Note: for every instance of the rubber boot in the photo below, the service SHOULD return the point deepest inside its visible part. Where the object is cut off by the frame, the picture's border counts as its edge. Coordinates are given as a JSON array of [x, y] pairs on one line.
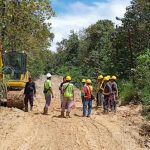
[[26, 108], [31, 107], [45, 111], [62, 114], [68, 115]]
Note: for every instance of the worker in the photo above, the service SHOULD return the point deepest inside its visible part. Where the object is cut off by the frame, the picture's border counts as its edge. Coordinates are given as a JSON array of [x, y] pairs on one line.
[[114, 94], [68, 99], [88, 90], [99, 90], [29, 92], [48, 92], [61, 90], [106, 92], [82, 91]]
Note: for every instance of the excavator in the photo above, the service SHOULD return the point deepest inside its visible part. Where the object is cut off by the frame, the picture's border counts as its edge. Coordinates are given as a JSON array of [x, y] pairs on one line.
[[13, 77]]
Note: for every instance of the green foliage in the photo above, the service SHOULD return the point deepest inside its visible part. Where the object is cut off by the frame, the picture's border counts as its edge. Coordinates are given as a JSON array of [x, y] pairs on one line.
[[146, 111], [127, 91], [73, 71], [138, 89], [145, 130], [24, 27], [132, 38], [35, 66], [103, 49], [142, 76], [89, 51]]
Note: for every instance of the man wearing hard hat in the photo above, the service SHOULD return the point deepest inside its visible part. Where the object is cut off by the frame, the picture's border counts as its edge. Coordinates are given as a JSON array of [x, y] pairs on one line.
[[68, 100], [48, 92], [99, 90]]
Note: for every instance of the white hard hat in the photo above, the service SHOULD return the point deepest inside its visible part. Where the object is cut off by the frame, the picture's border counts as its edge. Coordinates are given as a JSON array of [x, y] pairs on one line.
[[48, 75]]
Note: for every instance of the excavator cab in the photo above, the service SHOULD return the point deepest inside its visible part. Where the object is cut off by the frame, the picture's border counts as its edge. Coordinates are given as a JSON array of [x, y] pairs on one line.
[[15, 72]]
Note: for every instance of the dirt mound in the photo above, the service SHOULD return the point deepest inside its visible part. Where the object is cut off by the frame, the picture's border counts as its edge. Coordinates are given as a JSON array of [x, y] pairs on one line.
[[15, 99], [32, 130]]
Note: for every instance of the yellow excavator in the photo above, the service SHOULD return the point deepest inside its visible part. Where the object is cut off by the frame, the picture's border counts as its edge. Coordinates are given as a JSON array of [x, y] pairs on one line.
[[14, 75], [15, 69]]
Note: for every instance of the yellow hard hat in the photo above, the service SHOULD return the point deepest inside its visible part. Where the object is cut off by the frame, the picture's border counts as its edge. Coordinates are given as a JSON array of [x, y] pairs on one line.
[[106, 78], [83, 80], [68, 78], [88, 81], [100, 77], [114, 78]]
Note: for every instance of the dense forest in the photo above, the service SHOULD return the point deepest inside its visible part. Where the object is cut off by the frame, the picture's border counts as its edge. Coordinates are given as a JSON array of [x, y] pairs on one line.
[[102, 48]]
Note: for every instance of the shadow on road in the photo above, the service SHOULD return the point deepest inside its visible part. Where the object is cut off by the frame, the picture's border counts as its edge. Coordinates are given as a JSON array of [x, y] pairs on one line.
[[59, 116]]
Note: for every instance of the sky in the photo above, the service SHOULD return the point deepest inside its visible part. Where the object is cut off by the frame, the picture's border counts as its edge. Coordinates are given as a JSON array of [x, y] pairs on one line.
[[79, 14]]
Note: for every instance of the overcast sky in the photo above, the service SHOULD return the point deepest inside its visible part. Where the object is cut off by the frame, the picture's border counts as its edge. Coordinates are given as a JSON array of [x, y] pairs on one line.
[[78, 14]]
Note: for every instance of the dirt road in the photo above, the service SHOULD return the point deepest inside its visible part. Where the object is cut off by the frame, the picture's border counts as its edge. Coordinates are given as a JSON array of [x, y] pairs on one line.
[[34, 131]]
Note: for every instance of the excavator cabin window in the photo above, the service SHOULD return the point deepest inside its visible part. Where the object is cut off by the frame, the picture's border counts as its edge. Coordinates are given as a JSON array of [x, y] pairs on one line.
[[14, 64]]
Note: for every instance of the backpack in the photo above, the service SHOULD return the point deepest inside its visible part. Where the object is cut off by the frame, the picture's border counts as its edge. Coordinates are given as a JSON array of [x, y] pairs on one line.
[[45, 90], [107, 89]]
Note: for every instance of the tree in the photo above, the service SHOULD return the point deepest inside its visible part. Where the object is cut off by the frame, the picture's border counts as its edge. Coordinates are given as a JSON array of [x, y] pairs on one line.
[[132, 37], [24, 27]]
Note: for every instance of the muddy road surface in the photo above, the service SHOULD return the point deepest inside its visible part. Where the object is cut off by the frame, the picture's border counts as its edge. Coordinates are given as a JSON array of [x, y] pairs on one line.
[[21, 130]]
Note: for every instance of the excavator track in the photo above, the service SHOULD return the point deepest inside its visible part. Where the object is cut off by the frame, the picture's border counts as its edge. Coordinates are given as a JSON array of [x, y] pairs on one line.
[[15, 99]]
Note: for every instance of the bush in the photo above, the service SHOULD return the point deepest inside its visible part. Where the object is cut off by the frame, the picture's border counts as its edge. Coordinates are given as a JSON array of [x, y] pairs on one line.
[[73, 71], [146, 112], [127, 92], [145, 130], [142, 75]]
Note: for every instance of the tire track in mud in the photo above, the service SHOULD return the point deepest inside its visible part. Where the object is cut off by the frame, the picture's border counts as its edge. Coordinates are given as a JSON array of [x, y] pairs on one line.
[[117, 134], [98, 132]]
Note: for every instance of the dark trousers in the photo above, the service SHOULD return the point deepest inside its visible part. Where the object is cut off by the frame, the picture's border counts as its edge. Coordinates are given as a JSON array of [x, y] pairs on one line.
[[112, 102], [87, 103], [99, 99], [47, 103], [82, 97], [28, 98], [106, 103]]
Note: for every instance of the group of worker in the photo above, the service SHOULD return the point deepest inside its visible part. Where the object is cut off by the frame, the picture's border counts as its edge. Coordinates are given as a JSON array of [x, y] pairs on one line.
[[106, 94]]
